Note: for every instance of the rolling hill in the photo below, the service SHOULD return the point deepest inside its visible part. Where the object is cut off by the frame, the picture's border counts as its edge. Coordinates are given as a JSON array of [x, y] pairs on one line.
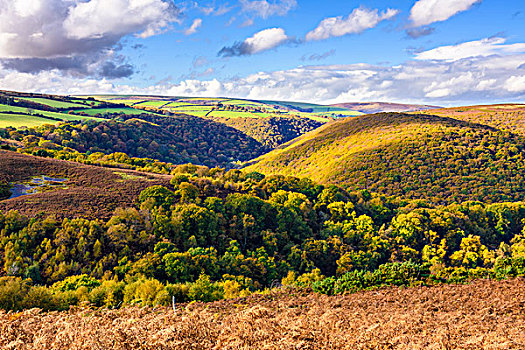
[[178, 140], [508, 117], [415, 156], [20, 109]]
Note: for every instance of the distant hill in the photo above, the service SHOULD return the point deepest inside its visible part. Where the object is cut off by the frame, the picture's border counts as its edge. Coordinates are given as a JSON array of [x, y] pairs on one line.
[[416, 156], [378, 107], [22, 109], [272, 123], [509, 117], [178, 139]]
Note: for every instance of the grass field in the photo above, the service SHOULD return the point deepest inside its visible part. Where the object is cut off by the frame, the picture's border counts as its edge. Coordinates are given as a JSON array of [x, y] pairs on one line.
[[234, 114], [54, 103], [96, 111], [156, 104], [20, 120], [201, 106]]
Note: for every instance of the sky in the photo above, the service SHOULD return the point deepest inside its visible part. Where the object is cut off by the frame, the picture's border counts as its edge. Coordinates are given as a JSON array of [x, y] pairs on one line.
[[438, 52]]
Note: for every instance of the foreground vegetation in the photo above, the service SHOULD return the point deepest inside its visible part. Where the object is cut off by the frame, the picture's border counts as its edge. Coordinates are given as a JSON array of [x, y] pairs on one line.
[[482, 315]]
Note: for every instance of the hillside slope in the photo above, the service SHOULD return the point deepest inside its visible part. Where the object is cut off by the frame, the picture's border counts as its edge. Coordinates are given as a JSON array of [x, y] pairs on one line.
[[89, 192], [508, 117], [178, 140], [440, 159]]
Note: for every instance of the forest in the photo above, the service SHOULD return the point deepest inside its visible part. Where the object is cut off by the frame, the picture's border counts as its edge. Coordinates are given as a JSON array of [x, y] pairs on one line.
[[413, 156], [176, 140], [214, 234]]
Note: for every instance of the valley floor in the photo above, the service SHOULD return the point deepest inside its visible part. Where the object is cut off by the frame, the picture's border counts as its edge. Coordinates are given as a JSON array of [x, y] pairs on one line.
[[481, 315]]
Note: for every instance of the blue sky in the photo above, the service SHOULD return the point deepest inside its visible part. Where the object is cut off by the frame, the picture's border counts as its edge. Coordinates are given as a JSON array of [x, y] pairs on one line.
[[444, 52]]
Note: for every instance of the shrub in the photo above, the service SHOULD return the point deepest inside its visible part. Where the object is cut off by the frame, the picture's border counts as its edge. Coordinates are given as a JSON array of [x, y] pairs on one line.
[[75, 282], [204, 290]]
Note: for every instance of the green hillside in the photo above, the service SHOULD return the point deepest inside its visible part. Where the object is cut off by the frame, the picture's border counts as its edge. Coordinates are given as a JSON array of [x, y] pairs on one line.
[[269, 122], [20, 109], [442, 160], [177, 140]]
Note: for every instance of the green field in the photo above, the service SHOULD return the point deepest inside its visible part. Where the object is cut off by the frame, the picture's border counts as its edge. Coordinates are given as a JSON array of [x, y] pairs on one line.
[[53, 103], [32, 118], [28, 111], [235, 114], [95, 111], [156, 104], [21, 120], [305, 106], [202, 106]]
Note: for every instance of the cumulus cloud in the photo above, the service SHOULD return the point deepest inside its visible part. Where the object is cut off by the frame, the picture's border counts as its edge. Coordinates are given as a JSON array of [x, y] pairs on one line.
[[265, 9], [484, 47], [261, 41], [74, 35], [515, 84], [466, 79], [469, 80], [194, 26], [358, 21], [425, 12]]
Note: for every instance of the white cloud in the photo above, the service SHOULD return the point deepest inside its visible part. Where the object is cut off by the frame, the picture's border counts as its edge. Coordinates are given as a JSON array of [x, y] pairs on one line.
[[47, 33], [194, 26], [471, 80], [484, 47], [425, 12], [99, 18], [266, 39], [358, 21], [515, 84], [261, 41], [265, 9]]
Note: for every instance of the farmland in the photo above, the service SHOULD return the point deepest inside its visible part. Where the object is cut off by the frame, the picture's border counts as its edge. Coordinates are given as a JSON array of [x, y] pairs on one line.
[[31, 110], [483, 315], [232, 108]]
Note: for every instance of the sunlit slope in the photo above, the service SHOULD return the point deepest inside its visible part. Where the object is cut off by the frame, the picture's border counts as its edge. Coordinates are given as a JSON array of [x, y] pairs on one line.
[[510, 117], [436, 158]]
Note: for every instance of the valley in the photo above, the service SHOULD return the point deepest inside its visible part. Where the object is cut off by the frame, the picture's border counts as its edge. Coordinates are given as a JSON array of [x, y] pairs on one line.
[[155, 207]]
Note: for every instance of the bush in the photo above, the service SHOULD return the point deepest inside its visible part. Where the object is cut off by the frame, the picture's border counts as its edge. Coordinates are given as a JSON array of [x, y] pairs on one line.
[[42, 298], [12, 293], [75, 282], [178, 290], [143, 292], [392, 274], [204, 290], [109, 294]]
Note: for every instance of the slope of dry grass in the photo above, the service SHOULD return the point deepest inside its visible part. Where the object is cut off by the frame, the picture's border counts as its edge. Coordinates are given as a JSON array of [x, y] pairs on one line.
[[482, 315], [92, 191]]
